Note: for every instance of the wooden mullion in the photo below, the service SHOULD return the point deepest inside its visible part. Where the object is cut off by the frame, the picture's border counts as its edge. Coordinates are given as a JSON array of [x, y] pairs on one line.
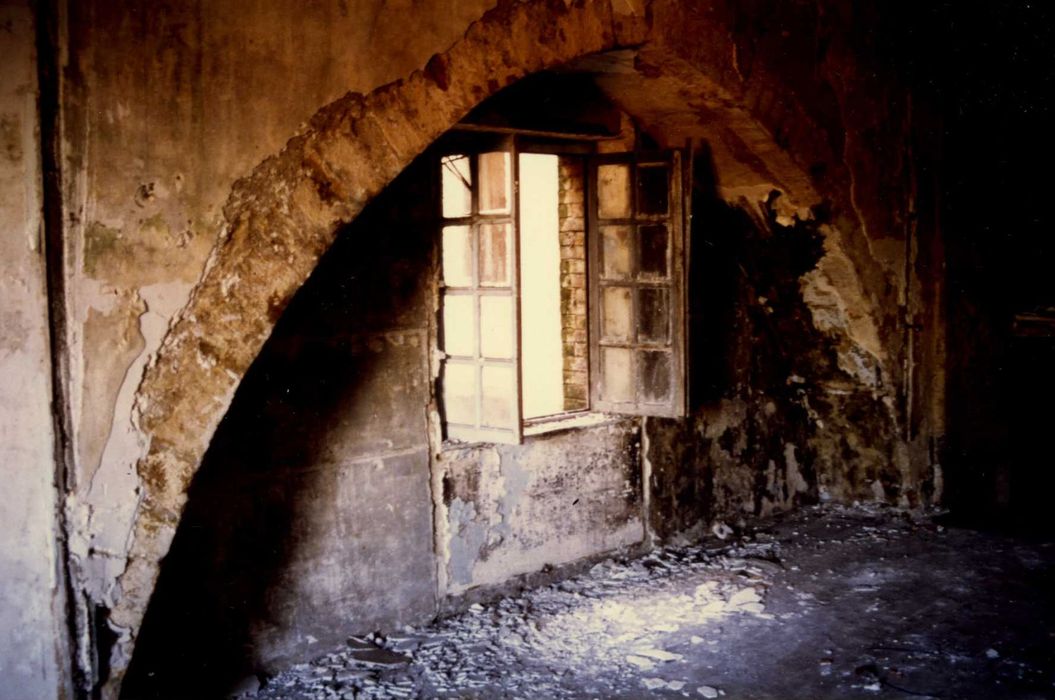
[[514, 283], [593, 286], [678, 268], [635, 273], [474, 208]]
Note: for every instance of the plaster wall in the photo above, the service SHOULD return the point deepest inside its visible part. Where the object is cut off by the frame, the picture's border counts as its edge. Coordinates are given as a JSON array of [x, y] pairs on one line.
[[509, 510], [33, 646], [165, 109]]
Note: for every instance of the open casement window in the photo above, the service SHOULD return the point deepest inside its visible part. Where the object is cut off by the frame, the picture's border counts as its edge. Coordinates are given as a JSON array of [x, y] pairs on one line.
[[637, 282], [480, 383], [536, 305]]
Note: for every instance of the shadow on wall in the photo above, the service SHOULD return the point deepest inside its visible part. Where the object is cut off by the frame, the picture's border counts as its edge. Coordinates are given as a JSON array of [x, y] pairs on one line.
[[289, 529]]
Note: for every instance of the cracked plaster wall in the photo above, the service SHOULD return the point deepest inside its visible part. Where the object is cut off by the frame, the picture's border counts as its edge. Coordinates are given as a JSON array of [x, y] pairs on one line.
[[509, 510], [311, 517], [34, 644], [165, 109]]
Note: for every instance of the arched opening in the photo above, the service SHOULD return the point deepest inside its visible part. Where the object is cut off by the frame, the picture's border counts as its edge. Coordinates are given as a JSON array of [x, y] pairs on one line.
[[312, 504], [327, 504], [284, 217]]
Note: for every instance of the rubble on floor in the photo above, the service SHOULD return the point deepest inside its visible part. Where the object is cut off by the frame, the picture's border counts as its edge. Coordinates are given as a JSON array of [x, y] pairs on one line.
[[827, 602]]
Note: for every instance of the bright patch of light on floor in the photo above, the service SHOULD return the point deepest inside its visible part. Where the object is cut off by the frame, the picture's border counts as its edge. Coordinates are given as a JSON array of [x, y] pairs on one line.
[[615, 632]]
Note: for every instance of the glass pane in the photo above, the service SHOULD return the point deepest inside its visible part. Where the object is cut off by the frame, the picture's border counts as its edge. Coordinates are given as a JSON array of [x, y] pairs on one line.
[[496, 326], [618, 384], [458, 332], [653, 314], [457, 186], [495, 178], [459, 393], [498, 396], [495, 258], [613, 191], [653, 251], [457, 257], [652, 184], [615, 251], [617, 314], [654, 369]]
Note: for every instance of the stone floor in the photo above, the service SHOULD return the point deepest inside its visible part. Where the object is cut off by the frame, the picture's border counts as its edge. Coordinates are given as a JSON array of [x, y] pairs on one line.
[[828, 602]]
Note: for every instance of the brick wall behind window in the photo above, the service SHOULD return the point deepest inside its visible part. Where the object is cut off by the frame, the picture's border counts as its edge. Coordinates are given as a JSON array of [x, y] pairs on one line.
[[573, 283]]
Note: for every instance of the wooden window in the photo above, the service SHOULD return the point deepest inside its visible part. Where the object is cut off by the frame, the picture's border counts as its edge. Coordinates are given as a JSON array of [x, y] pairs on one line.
[[621, 298], [637, 282], [479, 310]]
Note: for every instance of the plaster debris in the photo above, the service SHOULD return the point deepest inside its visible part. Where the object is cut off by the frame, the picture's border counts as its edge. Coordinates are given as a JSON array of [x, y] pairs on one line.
[[685, 621], [619, 619], [721, 530], [641, 662], [660, 655]]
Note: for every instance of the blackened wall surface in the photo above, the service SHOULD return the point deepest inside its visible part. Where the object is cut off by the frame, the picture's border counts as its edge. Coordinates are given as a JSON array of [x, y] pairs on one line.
[[756, 363], [995, 82]]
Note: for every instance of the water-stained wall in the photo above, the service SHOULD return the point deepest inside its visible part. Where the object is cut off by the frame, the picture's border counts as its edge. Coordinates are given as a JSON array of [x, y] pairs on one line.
[[34, 654], [164, 108], [775, 420], [509, 510], [816, 329]]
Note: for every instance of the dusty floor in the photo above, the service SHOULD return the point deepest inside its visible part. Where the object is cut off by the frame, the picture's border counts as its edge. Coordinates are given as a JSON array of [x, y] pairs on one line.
[[828, 602]]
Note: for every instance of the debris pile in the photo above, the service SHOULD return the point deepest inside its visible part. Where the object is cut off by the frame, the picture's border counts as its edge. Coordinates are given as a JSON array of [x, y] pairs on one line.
[[601, 630], [829, 601]]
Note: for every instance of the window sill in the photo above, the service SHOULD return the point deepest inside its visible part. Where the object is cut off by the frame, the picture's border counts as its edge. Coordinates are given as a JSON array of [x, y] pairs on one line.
[[568, 421], [544, 426]]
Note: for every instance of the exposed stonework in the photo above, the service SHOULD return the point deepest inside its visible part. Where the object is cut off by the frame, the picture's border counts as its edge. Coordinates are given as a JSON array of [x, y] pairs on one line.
[[282, 218], [711, 72], [573, 283]]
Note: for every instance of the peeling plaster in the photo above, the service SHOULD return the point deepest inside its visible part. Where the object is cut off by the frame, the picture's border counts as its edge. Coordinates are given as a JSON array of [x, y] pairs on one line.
[[107, 511], [514, 510], [840, 307], [279, 220], [465, 544]]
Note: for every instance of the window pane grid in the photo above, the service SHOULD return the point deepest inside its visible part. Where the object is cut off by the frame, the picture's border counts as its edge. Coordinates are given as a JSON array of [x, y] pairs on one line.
[[480, 370], [634, 283]]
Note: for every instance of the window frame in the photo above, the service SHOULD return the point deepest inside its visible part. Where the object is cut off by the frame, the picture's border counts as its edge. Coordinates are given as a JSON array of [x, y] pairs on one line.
[[479, 431], [676, 222], [597, 410]]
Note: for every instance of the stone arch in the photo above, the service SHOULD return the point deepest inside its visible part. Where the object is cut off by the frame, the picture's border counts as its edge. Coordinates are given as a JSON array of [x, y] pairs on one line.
[[282, 217]]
